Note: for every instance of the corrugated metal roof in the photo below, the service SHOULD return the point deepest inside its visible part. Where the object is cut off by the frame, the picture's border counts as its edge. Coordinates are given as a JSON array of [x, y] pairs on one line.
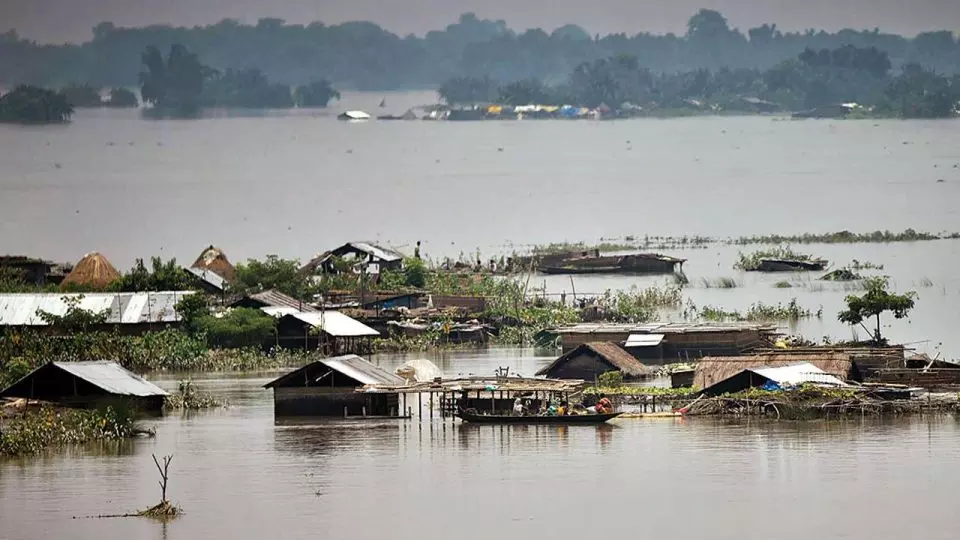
[[333, 323], [662, 328], [798, 374], [350, 365], [209, 276], [124, 308], [357, 368], [273, 297], [384, 254], [112, 377], [644, 340]]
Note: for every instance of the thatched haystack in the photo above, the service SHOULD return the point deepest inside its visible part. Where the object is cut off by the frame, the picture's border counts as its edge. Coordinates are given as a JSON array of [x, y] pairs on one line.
[[216, 261], [713, 369], [93, 271]]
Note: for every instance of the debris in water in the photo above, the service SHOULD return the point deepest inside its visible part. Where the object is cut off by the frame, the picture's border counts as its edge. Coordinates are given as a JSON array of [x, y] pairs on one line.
[[57, 166], [350, 151], [940, 180]]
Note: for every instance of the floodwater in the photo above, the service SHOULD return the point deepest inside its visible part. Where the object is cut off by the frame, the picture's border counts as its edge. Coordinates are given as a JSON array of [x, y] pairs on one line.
[[294, 183], [239, 474]]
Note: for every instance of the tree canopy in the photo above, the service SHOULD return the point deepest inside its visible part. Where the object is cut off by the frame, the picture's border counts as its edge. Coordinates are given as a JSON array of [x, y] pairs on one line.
[[874, 302], [32, 105], [364, 56]]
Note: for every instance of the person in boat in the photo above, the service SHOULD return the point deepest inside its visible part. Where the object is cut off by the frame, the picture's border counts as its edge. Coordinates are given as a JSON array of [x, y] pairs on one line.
[[518, 408], [563, 409], [603, 405]]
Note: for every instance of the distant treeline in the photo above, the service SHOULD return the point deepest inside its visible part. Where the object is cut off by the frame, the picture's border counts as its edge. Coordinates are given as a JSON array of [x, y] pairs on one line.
[[362, 55], [814, 80]]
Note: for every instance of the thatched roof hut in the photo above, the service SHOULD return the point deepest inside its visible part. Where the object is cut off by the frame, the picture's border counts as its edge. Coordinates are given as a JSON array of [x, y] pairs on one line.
[[216, 261], [93, 270], [590, 360], [713, 369]]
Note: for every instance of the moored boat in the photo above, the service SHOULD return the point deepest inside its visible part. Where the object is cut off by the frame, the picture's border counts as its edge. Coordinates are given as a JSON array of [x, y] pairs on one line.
[[477, 418]]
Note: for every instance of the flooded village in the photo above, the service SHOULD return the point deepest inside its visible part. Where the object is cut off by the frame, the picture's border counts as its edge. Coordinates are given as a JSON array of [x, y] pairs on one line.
[[74, 341]]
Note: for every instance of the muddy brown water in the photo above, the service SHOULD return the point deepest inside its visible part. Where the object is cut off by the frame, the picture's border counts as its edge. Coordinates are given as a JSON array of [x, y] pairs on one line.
[[239, 474]]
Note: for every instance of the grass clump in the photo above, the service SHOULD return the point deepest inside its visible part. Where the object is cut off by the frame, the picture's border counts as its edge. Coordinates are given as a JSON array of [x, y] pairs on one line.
[[188, 398], [783, 285], [719, 283], [760, 312], [845, 237]]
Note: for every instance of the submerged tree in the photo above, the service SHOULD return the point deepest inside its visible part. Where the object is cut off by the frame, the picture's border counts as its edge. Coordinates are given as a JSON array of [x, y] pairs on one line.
[[316, 94], [245, 88], [875, 301], [175, 83], [82, 95], [33, 105], [162, 276], [122, 98]]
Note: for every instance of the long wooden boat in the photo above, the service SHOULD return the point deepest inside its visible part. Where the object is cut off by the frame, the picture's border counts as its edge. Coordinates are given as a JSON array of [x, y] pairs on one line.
[[565, 420]]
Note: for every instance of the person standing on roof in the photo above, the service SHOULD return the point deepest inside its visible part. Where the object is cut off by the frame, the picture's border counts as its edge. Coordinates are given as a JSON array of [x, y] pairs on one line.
[[416, 251]]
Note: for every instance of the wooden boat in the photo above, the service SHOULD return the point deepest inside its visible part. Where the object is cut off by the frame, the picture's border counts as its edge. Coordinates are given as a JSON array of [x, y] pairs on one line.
[[572, 419]]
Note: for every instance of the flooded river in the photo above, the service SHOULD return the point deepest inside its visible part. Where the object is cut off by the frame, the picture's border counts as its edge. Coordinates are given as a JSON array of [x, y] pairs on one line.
[[238, 474]]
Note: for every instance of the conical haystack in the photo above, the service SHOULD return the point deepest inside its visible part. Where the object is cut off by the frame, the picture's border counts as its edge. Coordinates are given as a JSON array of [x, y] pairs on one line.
[[216, 261], [93, 270]]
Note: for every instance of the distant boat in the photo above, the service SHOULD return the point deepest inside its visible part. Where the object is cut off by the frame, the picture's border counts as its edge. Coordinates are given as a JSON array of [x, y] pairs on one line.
[[353, 115], [383, 103]]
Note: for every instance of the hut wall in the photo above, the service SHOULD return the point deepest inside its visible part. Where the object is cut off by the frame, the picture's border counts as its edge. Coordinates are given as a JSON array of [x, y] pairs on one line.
[[681, 379], [474, 304], [326, 401], [571, 341], [915, 377]]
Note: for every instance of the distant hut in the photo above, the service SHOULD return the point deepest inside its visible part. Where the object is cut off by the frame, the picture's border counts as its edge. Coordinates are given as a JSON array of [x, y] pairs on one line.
[[87, 385], [93, 271], [215, 260], [590, 360]]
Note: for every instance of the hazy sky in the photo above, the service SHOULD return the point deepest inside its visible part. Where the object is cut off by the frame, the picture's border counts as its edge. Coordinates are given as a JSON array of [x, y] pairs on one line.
[[71, 20]]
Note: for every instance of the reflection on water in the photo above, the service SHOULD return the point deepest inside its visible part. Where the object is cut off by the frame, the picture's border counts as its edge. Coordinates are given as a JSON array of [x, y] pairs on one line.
[[240, 474]]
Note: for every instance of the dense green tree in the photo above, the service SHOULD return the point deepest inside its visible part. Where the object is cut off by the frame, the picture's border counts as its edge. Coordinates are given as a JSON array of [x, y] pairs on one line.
[[175, 83], [82, 95], [238, 327], [468, 90], [317, 94], [75, 318], [161, 276], [921, 93], [245, 88], [33, 105], [273, 273], [122, 98], [873, 303], [526, 92]]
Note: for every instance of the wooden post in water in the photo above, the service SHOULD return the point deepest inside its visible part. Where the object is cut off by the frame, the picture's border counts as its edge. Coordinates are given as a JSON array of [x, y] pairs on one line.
[[431, 406], [420, 404]]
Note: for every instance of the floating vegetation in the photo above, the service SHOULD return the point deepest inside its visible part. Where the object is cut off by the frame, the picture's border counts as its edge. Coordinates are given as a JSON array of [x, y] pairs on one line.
[[760, 312], [865, 265], [841, 274], [187, 397], [844, 237], [35, 431], [637, 305], [719, 283], [782, 285], [753, 260]]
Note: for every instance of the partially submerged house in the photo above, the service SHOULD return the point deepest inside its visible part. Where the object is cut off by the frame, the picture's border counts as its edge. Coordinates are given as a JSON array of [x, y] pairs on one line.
[[93, 271], [330, 332], [660, 343], [355, 256], [637, 263], [774, 378], [791, 265], [329, 387], [88, 385], [590, 360], [712, 370], [129, 313]]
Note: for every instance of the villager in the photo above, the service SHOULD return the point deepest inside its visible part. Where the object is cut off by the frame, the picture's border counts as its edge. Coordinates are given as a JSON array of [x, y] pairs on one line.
[[518, 407], [416, 251], [562, 409], [603, 405]]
